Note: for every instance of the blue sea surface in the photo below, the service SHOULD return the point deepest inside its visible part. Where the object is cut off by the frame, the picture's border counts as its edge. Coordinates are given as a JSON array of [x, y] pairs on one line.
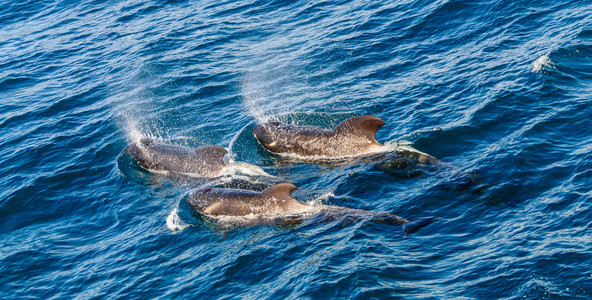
[[501, 91]]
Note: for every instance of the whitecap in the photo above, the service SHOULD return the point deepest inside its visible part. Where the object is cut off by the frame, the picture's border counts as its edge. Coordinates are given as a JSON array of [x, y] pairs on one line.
[[540, 63], [236, 169]]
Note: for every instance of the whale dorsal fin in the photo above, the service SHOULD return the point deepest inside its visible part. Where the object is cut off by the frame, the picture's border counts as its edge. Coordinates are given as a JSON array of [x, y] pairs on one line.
[[361, 125], [212, 152], [280, 191]]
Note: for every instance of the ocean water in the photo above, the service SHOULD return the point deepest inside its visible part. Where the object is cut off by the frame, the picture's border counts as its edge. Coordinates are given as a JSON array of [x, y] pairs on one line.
[[501, 91]]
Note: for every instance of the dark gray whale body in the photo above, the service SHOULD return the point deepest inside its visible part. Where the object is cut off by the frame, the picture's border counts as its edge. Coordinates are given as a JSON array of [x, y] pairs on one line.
[[230, 202], [277, 202], [205, 161], [352, 137]]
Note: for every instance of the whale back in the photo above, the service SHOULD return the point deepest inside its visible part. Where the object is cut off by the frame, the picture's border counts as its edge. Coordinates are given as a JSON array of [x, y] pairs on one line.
[[230, 202], [360, 126], [351, 137], [205, 161], [224, 202], [292, 139], [212, 153]]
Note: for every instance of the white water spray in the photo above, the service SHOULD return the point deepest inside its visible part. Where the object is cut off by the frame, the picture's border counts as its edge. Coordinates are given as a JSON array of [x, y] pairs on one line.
[[541, 63], [174, 222]]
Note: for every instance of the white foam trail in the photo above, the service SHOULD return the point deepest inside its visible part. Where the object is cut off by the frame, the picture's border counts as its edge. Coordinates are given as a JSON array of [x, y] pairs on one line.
[[321, 199], [417, 134], [393, 145], [174, 222], [540, 63], [242, 168], [237, 170], [411, 149]]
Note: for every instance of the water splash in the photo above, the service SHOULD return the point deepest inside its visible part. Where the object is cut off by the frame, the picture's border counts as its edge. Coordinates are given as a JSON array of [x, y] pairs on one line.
[[132, 131], [242, 168], [540, 63], [319, 200], [174, 223]]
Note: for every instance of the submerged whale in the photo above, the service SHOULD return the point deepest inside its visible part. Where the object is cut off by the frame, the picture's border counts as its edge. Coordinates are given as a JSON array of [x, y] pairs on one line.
[[205, 161], [352, 137], [276, 203]]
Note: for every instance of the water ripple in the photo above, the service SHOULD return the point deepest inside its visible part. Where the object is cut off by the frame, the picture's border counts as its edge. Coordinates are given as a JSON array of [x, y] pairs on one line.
[[498, 90]]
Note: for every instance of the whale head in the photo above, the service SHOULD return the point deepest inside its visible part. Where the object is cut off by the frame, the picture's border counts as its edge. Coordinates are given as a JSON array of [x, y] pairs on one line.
[[140, 151], [266, 134]]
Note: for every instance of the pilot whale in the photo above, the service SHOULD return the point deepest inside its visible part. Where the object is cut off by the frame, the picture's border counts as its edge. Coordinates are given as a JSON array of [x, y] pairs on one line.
[[276, 202], [352, 137], [205, 161]]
